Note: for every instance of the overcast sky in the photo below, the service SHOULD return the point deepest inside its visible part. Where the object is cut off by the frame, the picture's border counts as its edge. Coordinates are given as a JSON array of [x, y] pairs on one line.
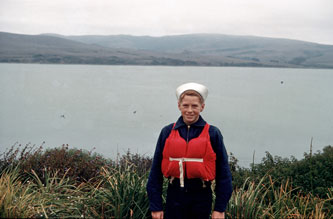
[[309, 20]]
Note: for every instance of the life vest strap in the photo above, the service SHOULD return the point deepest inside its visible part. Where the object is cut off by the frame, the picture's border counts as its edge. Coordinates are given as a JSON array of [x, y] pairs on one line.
[[181, 170]]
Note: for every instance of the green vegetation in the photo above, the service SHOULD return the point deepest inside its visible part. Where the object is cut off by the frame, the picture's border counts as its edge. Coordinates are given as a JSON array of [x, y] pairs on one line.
[[313, 174], [63, 182]]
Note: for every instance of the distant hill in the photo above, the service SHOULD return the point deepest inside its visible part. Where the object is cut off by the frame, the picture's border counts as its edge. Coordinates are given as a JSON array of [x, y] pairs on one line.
[[192, 49], [51, 49]]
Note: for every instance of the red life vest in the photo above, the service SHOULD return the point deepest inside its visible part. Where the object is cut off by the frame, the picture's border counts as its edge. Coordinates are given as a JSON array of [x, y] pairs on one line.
[[196, 157]]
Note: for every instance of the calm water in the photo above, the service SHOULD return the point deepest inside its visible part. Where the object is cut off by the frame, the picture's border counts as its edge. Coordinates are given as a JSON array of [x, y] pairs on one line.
[[113, 108]]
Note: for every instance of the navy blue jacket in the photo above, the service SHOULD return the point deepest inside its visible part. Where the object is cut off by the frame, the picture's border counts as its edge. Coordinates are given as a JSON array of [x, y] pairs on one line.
[[223, 179]]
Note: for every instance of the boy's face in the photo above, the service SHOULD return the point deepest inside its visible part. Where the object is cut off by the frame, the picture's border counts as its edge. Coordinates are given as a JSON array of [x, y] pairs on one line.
[[190, 108]]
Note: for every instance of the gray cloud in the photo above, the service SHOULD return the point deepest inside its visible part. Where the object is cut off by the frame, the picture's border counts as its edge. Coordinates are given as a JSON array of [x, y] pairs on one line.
[[310, 20]]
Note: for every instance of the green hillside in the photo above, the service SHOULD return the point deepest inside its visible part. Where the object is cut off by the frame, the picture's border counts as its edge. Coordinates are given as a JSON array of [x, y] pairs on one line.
[[192, 49]]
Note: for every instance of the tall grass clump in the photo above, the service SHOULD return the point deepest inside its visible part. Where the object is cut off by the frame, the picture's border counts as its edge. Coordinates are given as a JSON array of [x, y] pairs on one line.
[[17, 200], [120, 193], [59, 195], [56, 197], [265, 200], [286, 201], [247, 201]]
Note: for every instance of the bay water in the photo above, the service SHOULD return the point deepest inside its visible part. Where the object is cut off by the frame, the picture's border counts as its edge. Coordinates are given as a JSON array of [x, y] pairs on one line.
[[116, 108]]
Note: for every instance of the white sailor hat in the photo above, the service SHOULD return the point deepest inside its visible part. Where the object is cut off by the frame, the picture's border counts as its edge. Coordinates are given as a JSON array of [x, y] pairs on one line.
[[201, 89]]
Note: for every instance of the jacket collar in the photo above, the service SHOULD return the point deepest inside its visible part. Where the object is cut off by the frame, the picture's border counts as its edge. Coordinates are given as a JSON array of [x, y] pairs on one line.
[[180, 122]]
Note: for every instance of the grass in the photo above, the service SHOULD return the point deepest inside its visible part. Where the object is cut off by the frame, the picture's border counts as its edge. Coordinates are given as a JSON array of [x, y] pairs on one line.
[[32, 198], [268, 201], [120, 193], [16, 199], [117, 190]]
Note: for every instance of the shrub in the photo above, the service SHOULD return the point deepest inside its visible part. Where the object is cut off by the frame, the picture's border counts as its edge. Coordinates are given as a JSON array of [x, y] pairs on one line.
[[79, 165], [312, 174], [139, 163]]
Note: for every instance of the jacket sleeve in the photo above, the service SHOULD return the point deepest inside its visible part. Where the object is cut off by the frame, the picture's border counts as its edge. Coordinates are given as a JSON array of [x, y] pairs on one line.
[[155, 179], [223, 189]]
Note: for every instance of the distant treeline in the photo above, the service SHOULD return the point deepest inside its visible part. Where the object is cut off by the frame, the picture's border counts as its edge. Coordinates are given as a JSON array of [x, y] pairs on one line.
[[115, 60]]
